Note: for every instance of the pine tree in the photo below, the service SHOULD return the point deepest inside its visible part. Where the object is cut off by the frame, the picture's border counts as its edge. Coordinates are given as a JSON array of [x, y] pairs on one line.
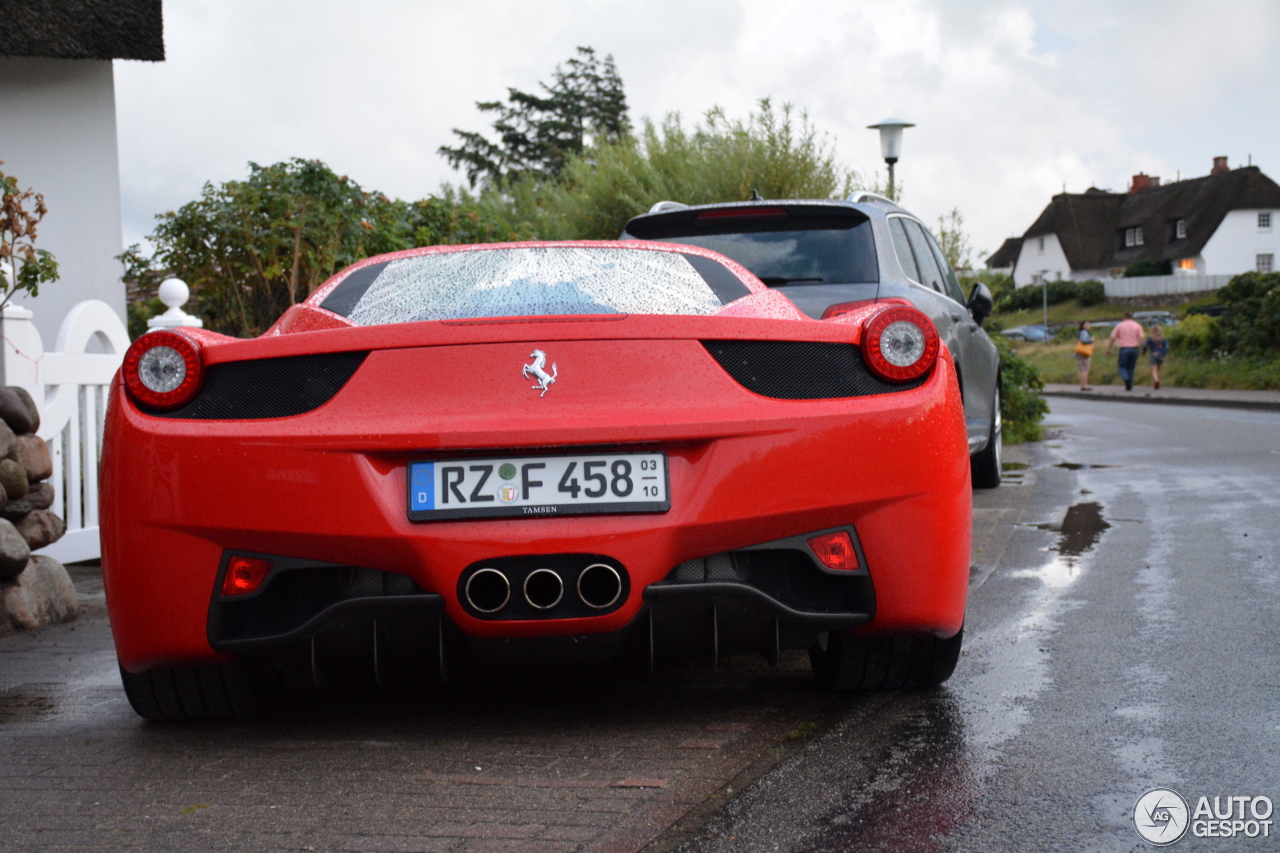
[[537, 134]]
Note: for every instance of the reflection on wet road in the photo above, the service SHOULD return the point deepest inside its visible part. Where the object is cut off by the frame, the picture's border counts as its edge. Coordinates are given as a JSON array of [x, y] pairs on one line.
[[1124, 638]]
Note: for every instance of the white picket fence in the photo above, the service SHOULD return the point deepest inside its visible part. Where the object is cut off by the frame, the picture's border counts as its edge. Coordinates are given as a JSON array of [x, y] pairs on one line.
[[1164, 285], [70, 385]]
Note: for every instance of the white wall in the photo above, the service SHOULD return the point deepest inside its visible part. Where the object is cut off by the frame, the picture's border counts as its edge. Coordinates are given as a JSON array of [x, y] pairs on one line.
[[58, 136], [1235, 246], [1050, 261]]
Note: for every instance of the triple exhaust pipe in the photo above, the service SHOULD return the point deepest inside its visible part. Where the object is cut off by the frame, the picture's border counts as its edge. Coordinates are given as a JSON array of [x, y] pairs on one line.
[[488, 590]]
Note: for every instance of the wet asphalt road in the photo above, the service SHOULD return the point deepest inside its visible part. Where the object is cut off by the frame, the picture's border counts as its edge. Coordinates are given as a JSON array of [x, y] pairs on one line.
[[1091, 672], [1121, 635]]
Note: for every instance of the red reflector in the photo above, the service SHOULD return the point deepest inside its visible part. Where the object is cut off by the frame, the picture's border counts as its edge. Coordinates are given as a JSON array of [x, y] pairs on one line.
[[244, 575], [741, 211], [835, 550]]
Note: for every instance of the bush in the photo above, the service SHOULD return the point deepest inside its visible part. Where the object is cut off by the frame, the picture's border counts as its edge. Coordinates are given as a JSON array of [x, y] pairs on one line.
[[1021, 406], [1138, 269], [1197, 334], [1090, 293], [1250, 322]]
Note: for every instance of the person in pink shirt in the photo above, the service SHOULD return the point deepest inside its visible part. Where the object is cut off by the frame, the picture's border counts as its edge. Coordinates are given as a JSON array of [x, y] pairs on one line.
[[1128, 335]]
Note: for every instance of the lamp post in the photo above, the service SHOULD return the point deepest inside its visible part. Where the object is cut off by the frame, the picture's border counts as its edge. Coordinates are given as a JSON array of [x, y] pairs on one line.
[[891, 144]]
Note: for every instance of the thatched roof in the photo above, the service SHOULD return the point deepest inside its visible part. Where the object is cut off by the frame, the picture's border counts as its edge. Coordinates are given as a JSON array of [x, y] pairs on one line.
[[82, 29], [1089, 225], [1006, 255]]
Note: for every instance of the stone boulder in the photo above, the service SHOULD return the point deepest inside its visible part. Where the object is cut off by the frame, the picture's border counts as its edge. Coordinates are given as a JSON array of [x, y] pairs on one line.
[[42, 595], [38, 496], [13, 478], [32, 453], [40, 528], [14, 410], [7, 439], [32, 410], [14, 551]]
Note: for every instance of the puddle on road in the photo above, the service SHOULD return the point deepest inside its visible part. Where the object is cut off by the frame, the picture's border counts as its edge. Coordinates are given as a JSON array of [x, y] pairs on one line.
[[925, 786], [1080, 530], [1078, 466]]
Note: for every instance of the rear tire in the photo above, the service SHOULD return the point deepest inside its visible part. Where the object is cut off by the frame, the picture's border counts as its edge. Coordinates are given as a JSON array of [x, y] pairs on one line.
[[855, 663], [207, 691], [985, 465]]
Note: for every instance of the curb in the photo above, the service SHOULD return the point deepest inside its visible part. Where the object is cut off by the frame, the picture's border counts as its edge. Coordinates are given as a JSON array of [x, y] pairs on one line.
[[1255, 405]]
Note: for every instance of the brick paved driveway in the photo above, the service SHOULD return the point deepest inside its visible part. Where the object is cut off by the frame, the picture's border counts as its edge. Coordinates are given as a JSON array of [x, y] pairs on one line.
[[593, 764]]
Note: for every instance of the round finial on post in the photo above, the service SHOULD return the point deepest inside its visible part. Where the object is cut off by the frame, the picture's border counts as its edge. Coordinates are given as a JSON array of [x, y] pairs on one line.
[[174, 293]]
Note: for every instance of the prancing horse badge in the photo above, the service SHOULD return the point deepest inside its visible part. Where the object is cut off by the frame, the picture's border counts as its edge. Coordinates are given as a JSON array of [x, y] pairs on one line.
[[538, 371]]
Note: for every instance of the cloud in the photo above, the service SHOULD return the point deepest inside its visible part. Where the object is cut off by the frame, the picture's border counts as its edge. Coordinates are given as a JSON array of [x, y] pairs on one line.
[[1012, 100]]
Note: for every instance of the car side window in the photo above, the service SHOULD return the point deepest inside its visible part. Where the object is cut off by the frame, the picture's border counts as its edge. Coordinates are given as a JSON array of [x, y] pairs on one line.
[[903, 249], [949, 280], [932, 275]]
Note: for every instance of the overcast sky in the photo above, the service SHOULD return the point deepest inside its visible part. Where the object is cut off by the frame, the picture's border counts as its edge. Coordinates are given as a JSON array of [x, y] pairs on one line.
[[1013, 100]]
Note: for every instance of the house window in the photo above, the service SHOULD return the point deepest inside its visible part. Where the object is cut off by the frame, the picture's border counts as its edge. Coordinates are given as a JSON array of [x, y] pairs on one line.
[[1180, 229], [1264, 221], [1137, 235], [1132, 237], [1041, 244], [1266, 263], [1188, 264]]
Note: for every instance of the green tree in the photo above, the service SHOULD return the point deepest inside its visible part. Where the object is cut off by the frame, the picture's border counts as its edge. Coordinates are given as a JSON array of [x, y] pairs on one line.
[[538, 134], [776, 152], [23, 267], [953, 241], [250, 249]]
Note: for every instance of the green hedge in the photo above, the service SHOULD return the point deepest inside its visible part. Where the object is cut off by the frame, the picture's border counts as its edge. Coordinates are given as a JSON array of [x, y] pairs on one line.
[[1021, 406], [1085, 293]]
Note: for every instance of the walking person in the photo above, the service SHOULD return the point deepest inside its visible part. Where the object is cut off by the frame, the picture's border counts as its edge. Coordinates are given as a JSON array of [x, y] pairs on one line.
[[1158, 345], [1128, 335], [1084, 354]]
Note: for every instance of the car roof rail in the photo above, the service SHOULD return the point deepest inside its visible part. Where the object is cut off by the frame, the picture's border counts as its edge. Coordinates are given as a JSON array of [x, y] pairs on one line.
[[864, 195], [664, 206]]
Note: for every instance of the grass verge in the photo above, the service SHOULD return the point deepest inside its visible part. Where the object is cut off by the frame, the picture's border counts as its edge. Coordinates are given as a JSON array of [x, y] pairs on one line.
[[1056, 363]]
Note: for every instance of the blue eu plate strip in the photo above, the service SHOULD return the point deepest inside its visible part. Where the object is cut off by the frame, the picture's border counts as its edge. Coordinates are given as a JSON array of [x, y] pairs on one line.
[[422, 487]]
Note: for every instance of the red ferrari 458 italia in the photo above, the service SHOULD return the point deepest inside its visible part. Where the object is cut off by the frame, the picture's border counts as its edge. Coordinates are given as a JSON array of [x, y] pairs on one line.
[[532, 454]]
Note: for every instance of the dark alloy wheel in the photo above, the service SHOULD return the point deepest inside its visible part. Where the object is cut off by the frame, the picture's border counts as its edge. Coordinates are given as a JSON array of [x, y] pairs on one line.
[[207, 691], [857, 663], [985, 465]]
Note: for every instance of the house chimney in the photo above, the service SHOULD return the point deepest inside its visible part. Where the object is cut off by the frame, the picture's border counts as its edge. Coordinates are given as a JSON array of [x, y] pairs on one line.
[[1141, 182], [1219, 166]]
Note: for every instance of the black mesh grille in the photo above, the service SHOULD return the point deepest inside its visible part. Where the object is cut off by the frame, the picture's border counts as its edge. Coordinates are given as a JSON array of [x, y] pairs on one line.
[[800, 370], [293, 597], [786, 576], [269, 387]]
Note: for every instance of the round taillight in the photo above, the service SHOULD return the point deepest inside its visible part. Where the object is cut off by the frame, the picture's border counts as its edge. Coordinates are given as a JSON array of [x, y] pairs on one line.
[[899, 344], [163, 370]]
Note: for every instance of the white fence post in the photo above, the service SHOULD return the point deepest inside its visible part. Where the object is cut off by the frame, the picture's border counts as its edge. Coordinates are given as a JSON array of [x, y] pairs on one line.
[[70, 386]]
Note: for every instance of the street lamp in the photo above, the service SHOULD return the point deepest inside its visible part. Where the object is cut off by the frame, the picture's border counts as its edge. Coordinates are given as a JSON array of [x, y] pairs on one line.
[[890, 143]]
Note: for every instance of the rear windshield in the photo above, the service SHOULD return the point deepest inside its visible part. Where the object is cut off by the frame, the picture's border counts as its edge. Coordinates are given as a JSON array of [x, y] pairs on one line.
[[533, 282], [781, 249]]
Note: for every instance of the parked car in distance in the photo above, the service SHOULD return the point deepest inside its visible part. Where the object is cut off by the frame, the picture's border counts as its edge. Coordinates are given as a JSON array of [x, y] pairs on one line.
[[534, 454], [1150, 318], [832, 256], [1034, 332]]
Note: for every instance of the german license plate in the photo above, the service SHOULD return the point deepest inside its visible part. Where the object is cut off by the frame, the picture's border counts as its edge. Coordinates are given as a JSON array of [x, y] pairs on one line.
[[529, 486]]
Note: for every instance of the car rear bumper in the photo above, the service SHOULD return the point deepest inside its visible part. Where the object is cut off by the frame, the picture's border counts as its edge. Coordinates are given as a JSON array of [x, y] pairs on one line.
[[328, 488]]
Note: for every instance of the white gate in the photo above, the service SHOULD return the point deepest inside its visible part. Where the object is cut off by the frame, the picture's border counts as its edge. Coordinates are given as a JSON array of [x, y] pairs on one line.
[[69, 385]]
